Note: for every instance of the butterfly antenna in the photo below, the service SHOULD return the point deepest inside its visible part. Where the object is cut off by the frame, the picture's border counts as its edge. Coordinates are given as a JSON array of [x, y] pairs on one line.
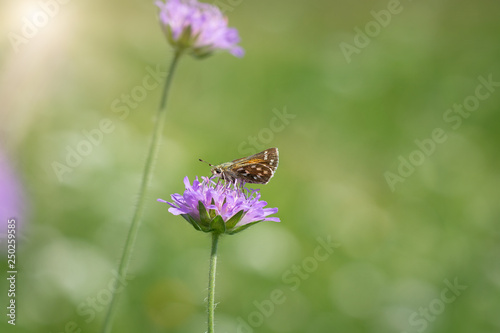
[[205, 162]]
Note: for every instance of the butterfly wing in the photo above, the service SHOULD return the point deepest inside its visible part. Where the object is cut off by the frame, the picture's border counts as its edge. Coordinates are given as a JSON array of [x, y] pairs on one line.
[[258, 168], [254, 173], [269, 157]]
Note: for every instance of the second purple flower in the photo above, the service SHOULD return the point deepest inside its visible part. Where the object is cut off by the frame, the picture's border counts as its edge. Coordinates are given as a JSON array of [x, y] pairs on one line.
[[199, 28]]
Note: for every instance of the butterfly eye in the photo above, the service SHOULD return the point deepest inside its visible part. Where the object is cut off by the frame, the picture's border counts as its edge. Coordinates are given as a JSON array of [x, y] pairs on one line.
[[217, 171]]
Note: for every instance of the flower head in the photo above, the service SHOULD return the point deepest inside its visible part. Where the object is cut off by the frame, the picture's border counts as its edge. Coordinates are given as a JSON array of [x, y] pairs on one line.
[[219, 207], [198, 27]]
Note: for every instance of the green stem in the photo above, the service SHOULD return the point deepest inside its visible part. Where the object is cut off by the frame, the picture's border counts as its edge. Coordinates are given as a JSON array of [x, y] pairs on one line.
[[139, 208], [211, 282]]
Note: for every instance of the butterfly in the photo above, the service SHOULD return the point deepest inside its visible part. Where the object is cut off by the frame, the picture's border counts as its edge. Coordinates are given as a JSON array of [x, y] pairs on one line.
[[255, 169]]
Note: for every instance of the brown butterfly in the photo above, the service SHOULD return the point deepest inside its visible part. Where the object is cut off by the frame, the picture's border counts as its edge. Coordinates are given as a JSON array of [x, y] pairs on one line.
[[255, 169]]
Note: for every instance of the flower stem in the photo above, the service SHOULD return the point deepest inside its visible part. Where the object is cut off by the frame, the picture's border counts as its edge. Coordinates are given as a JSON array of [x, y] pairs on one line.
[[139, 208], [211, 282]]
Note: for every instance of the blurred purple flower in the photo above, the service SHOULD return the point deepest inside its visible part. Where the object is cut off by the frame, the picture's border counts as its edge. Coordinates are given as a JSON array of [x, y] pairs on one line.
[[198, 27], [11, 201], [219, 207]]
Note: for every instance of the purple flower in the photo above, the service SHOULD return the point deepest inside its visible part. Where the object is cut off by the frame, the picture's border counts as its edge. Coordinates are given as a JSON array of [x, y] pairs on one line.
[[219, 207], [11, 198], [198, 27]]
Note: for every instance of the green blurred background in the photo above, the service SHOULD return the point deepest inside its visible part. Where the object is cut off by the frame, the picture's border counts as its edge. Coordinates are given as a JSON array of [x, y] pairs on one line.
[[352, 120]]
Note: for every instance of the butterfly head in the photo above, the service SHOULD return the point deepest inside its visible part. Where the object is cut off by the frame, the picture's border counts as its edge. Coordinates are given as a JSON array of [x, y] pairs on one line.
[[217, 170]]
